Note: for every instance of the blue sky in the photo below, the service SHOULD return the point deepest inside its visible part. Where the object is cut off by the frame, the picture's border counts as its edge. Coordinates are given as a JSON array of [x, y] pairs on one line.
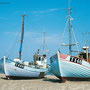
[[42, 16]]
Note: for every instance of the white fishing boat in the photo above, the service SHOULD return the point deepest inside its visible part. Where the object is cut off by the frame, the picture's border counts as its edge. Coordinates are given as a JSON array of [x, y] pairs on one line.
[[2, 64], [69, 67], [23, 69], [18, 68]]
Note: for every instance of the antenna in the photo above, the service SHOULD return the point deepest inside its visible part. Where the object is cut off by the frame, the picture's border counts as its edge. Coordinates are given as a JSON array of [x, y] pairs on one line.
[[70, 29], [69, 7], [87, 34], [69, 20], [44, 33], [87, 38]]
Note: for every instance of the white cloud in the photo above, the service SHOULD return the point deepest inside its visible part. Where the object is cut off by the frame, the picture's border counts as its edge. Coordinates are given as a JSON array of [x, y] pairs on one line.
[[46, 11], [36, 35]]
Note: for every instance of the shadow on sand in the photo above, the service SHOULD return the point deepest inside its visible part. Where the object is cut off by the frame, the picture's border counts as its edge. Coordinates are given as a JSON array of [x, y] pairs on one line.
[[34, 78], [79, 80], [60, 81], [53, 80]]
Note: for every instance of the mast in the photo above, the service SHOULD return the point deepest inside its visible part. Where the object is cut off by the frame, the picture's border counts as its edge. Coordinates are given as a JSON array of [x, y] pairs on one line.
[[22, 36], [87, 48], [44, 33], [70, 30], [87, 53], [69, 20]]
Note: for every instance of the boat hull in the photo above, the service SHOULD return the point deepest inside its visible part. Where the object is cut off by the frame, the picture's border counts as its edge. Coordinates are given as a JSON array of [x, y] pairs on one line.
[[2, 65], [66, 69], [13, 72]]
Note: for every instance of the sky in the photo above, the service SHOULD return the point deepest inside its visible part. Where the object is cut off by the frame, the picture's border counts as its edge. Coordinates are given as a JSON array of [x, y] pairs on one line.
[[42, 16]]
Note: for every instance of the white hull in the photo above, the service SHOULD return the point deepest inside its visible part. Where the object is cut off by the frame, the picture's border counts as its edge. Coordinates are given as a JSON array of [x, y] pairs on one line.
[[64, 68], [12, 71], [2, 64]]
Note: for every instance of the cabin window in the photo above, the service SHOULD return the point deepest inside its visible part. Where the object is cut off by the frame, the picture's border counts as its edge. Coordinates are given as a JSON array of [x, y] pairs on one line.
[[39, 58], [83, 55], [42, 59]]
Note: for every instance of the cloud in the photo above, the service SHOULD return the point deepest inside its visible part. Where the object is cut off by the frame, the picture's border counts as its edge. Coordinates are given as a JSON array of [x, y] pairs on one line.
[[32, 41], [46, 11], [30, 34], [11, 33], [36, 36]]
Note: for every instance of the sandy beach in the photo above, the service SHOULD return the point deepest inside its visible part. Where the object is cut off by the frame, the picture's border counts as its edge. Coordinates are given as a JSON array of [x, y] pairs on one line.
[[47, 83]]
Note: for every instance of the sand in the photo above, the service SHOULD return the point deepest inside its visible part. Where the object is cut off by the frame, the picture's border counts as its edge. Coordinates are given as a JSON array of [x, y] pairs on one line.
[[47, 83]]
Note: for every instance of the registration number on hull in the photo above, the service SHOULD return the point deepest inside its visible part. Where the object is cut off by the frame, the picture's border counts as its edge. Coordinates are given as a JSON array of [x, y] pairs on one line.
[[76, 60], [19, 65]]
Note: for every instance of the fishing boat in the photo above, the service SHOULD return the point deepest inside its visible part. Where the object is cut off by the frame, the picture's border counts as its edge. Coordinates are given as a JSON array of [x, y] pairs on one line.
[[67, 66], [18, 68], [2, 64]]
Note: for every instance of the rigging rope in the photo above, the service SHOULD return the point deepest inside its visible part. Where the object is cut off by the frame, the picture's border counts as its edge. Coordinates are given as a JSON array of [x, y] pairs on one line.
[[74, 37], [10, 49], [63, 35]]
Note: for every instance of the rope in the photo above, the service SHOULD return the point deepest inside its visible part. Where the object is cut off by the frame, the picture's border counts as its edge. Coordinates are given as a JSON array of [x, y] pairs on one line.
[[74, 37], [10, 49], [41, 47], [63, 34]]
